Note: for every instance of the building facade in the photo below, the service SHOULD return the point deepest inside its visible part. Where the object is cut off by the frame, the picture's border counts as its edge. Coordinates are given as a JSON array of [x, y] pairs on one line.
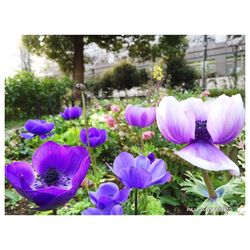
[[220, 56]]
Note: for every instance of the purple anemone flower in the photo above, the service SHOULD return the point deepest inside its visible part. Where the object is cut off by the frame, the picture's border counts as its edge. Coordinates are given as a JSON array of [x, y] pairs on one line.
[[96, 137], [71, 113], [37, 127], [140, 172], [201, 125], [54, 176], [139, 116], [116, 210], [106, 197]]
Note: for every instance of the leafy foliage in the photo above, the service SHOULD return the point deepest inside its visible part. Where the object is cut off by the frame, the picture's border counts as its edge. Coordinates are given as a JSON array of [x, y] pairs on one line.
[[60, 48], [175, 197], [153, 206], [179, 72], [229, 92], [41, 95], [194, 185], [122, 76], [229, 194]]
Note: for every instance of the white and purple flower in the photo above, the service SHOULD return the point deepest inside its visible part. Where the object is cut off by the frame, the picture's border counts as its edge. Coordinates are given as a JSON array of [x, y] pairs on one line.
[[202, 125], [139, 116]]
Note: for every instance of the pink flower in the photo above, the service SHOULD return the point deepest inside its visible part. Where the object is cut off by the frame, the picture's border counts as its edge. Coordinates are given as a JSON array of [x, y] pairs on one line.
[[115, 108], [205, 93], [110, 121], [148, 135]]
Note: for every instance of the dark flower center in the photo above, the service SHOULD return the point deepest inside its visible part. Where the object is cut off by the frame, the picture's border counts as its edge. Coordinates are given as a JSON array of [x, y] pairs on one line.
[[51, 176], [201, 132]]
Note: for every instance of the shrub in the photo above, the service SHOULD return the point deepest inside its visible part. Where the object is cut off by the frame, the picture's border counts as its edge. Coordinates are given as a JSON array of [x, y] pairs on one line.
[[143, 77], [125, 76], [122, 76], [229, 92], [29, 96], [106, 83], [179, 72]]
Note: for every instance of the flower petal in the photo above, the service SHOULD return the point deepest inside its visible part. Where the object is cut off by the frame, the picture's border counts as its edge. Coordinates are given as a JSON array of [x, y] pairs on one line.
[[108, 188], [226, 118], [133, 177], [19, 170], [130, 115], [38, 127], [81, 172], [44, 196], [76, 155], [142, 162], [104, 201], [122, 195], [102, 136], [94, 196], [116, 210], [75, 112], [195, 105], [173, 122], [63, 115], [158, 171], [123, 160], [50, 155], [27, 136], [92, 211], [139, 116], [151, 157], [206, 156], [44, 136]]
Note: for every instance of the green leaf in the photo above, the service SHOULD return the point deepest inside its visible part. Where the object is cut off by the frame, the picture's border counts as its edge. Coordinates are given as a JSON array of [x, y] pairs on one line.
[[170, 200], [194, 185], [13, 196]]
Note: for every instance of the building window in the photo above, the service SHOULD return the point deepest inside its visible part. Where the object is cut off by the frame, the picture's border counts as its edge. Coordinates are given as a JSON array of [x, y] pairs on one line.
[[240, 64], [210, 65]]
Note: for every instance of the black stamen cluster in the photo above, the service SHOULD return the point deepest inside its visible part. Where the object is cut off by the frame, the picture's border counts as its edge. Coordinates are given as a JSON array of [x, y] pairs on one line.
[[201, 132], [51, 176]]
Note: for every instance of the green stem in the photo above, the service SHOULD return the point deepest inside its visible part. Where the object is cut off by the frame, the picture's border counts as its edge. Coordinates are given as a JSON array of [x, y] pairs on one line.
[[142, 142], [54, 212], [85, 119], [210, 188], [136, 202], [76, 132], [92, 158], [38, 140]]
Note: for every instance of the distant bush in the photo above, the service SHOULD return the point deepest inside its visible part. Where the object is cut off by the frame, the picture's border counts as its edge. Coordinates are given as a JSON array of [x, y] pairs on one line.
[[123, 76], [29, 96], [228, 92], [179, 72], [106, 83]]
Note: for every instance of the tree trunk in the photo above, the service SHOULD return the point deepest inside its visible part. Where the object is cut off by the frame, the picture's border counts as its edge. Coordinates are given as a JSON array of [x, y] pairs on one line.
[[78, 63]]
